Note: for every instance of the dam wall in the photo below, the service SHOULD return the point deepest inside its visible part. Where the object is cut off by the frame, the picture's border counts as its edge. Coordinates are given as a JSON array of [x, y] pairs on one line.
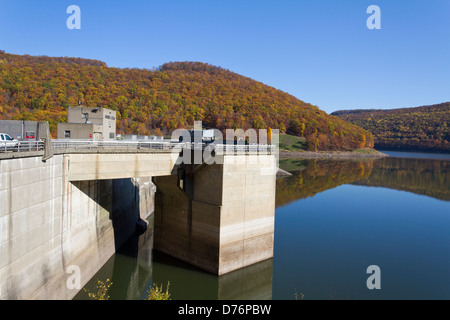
[[51, 227]]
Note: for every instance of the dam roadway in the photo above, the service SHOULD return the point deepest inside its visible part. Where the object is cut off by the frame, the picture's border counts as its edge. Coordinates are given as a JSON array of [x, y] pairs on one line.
[[75, 204]]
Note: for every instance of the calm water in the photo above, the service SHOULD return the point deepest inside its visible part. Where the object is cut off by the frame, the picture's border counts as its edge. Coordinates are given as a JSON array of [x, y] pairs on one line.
[[418, 155], [333, 220]]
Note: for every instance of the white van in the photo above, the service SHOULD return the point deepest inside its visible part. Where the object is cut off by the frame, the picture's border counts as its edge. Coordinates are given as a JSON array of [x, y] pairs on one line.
[[6, 142]]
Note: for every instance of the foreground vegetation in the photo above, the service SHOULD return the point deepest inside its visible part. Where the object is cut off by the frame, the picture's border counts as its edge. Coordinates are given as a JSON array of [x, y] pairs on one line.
[[419, 129], [170, 97], [155, 292]]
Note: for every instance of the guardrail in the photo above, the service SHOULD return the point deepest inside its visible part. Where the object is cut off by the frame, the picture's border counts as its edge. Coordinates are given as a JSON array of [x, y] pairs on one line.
[[110, 145], [66, 144], [235, 148], [21, 146]]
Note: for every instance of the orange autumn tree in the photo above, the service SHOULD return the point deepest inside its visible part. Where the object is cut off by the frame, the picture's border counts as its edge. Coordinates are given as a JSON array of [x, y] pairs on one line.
[[157, 101]]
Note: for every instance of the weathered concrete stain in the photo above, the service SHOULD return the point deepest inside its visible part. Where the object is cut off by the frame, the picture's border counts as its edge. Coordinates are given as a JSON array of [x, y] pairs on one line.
[[51, 223], [62, 213], [223, 219]]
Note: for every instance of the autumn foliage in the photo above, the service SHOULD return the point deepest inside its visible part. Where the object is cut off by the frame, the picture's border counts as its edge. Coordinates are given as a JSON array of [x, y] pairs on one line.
[[160, 100], [423, 128]]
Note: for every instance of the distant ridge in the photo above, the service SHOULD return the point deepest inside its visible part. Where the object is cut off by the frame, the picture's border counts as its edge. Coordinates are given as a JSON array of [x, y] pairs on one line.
[[424, 128]]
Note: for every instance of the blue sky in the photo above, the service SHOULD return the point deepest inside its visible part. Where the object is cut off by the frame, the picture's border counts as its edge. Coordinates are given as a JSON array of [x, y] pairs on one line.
[[317, 50]]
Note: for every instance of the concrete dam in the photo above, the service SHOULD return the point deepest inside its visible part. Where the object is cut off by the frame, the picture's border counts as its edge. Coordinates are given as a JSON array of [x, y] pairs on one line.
[[77, 206]]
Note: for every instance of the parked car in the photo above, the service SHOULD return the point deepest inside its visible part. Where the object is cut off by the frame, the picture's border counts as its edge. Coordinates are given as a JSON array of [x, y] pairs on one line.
[[7, 143]]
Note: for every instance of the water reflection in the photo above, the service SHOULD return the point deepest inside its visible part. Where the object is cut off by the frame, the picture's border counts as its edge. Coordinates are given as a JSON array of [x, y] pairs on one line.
[[130, 270], [135, 267], [419, 176], [346, 228], [335, 218], [186, 282], [324, 244], [309, 177]]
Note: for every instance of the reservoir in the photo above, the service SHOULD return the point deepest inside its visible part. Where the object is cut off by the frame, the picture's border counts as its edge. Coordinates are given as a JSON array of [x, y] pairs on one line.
[[333, 219]]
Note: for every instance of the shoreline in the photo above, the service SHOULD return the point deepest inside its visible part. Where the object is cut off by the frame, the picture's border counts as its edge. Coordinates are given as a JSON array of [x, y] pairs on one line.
[[369, 153]]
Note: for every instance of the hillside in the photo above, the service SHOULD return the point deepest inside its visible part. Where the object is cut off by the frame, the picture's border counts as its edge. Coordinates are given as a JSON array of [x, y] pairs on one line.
[[292, 143], [159, 101], [423, 128]]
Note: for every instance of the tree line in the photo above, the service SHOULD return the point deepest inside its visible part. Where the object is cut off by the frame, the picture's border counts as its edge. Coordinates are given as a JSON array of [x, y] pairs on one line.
[[423, 128], [158, 101]]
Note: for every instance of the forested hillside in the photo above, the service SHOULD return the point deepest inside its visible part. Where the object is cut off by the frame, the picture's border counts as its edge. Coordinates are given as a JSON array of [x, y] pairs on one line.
[[423, 128], [159, 101]]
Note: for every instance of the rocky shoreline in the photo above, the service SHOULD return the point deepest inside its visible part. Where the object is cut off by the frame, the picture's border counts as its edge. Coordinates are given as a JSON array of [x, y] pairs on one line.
[[368, 153]]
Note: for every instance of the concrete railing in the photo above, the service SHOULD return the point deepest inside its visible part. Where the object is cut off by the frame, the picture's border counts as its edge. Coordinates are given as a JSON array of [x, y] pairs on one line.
[[21, 146], [79, 145], [112, 145], [234, 148]]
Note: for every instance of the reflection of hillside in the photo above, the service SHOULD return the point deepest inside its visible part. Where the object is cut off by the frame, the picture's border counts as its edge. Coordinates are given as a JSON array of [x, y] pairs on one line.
[[310, 177], [420, 176]]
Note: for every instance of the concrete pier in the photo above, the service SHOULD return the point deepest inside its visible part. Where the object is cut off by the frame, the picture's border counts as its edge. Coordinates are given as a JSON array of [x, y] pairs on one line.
[[76, 209], [225, 221]]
